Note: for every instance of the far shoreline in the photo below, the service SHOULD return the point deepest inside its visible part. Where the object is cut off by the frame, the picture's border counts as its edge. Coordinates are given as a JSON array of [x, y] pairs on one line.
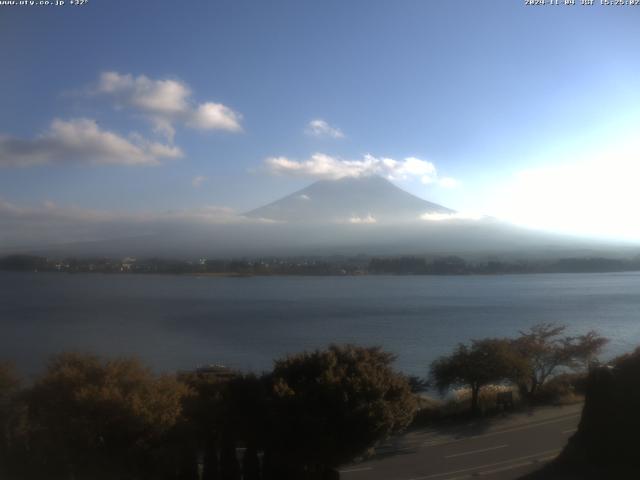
[[311, 275]]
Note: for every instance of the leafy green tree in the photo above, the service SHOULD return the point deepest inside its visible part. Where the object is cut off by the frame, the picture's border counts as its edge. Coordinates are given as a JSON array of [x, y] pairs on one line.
[[329, 406], [92, 419], [482, 363], [546, 351]]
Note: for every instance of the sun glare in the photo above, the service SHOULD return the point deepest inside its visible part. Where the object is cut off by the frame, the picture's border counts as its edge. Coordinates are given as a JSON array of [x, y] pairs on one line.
[[597, 195]]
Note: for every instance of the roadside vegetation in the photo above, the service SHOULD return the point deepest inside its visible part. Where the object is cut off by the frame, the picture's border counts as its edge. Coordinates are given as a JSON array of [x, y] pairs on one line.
[[605, 444], [91, 418], [543, 365]]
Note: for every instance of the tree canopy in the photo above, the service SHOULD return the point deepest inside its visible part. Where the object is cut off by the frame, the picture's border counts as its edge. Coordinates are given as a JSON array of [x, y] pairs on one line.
[[90, 418], [9, 380], [483, 362], [330, 406]]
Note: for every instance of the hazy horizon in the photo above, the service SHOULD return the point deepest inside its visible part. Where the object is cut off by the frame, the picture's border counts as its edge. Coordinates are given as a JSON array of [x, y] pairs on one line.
[[192, 117], [368, 215]]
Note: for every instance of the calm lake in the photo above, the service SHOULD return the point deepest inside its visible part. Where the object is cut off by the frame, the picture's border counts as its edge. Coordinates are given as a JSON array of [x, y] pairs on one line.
[[180, 322]]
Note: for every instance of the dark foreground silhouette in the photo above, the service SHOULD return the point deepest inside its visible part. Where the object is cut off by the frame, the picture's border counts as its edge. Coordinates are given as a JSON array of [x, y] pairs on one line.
[[606, 443], [87, 418], [90, 419]]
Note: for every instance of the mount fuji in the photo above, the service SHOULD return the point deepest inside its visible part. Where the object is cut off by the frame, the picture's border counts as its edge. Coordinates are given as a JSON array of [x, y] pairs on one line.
[[368, 199]]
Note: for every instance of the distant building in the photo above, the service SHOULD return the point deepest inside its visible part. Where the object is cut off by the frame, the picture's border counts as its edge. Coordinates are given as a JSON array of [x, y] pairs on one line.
[[127, 264]]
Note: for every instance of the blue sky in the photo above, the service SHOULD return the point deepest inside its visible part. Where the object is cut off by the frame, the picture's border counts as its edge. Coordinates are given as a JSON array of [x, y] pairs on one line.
[[526, 113]]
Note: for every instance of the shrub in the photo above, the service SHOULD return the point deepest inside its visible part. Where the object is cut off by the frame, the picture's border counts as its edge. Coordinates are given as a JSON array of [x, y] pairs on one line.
[[330, 406], [562, 389], [90, 419]]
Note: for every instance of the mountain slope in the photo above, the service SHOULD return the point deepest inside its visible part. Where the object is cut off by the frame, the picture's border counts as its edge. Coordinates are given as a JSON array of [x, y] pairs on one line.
[[348, 200]]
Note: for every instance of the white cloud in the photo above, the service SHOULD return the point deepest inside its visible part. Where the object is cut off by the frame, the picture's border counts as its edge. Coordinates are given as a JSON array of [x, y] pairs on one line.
[[167, 103], [214, 116], [369, 219], [304, 197], [319, 166], [412, 166], [324, 166], [155, 96], [82, 141], [320, 128], [439, 217], [198, 181]]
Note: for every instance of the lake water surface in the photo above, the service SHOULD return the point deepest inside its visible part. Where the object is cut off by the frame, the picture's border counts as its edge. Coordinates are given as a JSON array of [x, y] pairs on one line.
[[179, 322]]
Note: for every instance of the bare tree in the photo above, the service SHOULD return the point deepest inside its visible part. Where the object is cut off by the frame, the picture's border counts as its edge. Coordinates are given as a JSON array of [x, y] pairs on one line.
[[546, 350]]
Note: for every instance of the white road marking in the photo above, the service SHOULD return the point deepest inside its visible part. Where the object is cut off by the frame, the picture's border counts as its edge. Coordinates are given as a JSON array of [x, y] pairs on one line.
[[476, 471], [471, 452], [353, 470], [489, 465], [571, 430], [498, 432]]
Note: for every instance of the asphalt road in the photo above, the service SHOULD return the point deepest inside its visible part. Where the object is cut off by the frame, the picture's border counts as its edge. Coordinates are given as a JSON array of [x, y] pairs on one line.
[[499, 449]]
